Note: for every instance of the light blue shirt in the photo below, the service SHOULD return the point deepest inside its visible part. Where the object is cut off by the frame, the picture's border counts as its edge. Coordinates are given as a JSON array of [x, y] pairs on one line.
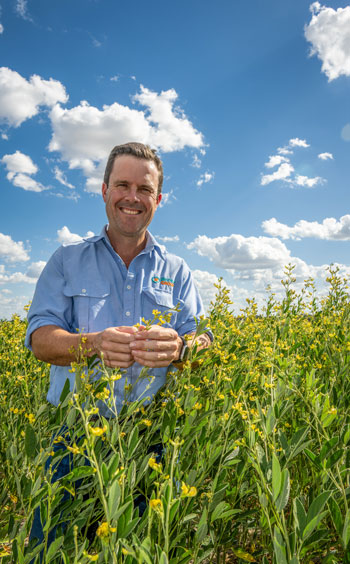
[[86, 286]]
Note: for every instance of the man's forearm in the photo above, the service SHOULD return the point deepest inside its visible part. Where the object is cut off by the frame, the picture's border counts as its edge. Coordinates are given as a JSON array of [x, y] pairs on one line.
[[57, 346]]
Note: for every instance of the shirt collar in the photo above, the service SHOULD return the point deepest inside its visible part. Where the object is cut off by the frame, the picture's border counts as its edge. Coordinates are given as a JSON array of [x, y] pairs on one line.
[[151, 243]]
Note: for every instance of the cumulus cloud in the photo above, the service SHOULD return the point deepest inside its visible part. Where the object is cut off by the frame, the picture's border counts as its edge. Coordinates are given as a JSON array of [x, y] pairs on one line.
[[329, 35], [30, 276], [66, 237], [275, 160], [325, 156], [61, 178], [204, 178], [205, 283], [114, 78], [296, 142], [11, 250], [21, 99], [286, 169], [242, 253], [1, 28], [19, 162], [19, 167], [196, 163], [174, 239], [283, 172], [330, 229], [84, 134]]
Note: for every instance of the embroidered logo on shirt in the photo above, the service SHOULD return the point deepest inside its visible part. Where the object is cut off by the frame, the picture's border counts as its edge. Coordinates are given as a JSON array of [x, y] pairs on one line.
[[163, 281]]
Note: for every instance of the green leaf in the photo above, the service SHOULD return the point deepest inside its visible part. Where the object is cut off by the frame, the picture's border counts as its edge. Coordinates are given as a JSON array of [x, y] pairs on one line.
[[65, 391], [312, 524], [113, 465], [78, 473], [54, 546], [346, 530], [279, 547], [327, 447], [105, 473], [299, 515], [113, 498], [317, 505], [243, 555], [219, 509], [336, 515], [276, 477], [283, 497], [333, 459], [202, 529], [133, 439], [270, 421], [30, 442]]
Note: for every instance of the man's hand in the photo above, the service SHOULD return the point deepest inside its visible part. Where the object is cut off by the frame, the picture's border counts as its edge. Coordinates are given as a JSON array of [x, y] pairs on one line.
[[155, 347], [113, 344]]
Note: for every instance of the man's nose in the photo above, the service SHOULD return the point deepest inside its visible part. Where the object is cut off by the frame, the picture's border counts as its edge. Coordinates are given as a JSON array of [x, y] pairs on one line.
[[132, 194]]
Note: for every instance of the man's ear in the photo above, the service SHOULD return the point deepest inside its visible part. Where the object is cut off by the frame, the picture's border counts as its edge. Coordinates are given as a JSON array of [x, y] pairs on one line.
[[104, 191], [159, 197]]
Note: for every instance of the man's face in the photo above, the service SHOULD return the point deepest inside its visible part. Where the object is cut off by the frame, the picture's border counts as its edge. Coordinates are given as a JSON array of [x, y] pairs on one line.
[[131, 196]]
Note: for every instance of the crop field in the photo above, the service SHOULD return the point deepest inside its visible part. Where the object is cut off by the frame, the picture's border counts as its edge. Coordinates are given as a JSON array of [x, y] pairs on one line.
[[244, 456]]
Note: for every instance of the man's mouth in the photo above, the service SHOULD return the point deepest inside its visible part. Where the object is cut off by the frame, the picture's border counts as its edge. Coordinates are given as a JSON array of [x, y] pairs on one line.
[[130, 211]]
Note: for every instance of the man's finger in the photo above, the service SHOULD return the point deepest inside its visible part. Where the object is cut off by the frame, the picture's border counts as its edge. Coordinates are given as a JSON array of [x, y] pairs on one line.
[[157, 333]]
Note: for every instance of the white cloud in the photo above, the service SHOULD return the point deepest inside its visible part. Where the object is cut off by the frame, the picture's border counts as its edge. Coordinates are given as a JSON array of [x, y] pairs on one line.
[[329, 35], [307, 181], [19, 166], [84, 135], [204, 178], [242, 253], [65, 237], [296, 142], [165, 239], [325, 156], [205, 283], [19, 162], [12, 251], [60, 177], [26, 182], [21, 99], [330, 229], [1, 28], [196, 163], [284, 151], [282, 173], [35, 269], [275, 160], [167, 198], [22, 10], [345, 132], [114, 78]]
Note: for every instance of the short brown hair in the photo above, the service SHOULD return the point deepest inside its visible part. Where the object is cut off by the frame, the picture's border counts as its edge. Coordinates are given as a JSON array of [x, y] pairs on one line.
[[138, 150]]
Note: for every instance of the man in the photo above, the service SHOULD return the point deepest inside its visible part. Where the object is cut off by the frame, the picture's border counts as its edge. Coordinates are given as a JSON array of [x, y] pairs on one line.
[[102, 287]]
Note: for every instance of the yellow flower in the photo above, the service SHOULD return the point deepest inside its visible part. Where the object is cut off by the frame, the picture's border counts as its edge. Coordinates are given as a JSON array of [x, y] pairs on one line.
[[146, 422], [104, 530], [188, 491], [197, 405], [74, 449], [332, 411], [98, 431], [124, 551], [154, 464], [91, 557], [115, 377], [155, 504]]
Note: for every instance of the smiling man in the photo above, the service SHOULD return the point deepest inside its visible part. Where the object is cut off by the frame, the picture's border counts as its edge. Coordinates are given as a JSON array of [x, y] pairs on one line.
[[103, 286]]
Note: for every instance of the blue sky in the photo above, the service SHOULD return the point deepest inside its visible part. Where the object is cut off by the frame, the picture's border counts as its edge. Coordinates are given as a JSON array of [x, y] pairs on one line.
[[247, 102]]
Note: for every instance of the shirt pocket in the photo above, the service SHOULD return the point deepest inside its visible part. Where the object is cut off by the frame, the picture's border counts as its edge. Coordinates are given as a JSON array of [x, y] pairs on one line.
[[161, 300], [88, 303]]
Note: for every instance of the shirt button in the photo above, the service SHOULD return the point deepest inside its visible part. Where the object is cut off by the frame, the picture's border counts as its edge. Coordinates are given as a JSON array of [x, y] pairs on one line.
[[128, 287], [83, 291], [127, 313]]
